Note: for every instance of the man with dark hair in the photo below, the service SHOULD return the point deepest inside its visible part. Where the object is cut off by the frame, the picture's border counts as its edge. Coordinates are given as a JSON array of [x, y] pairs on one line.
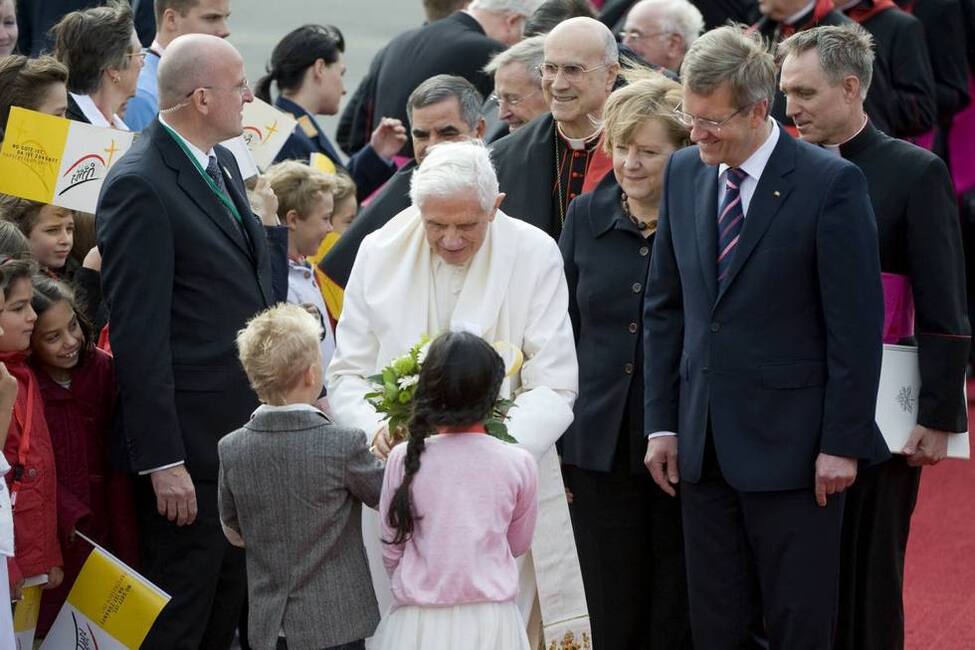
[[825, 74], [173, 19], [437, 9], [443, 108], [459, 45]]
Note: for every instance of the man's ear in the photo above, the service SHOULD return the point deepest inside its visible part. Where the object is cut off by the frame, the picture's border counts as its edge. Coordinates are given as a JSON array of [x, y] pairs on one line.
[[851, 88], [480, 128], [612, 72]]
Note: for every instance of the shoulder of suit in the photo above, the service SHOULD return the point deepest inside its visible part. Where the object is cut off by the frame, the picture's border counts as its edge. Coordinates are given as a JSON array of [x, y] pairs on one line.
[[538, 132], [530, 239], [307, 126]]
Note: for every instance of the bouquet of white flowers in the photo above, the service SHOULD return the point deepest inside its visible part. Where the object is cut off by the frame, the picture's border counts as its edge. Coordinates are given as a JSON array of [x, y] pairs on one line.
[[396, 384]]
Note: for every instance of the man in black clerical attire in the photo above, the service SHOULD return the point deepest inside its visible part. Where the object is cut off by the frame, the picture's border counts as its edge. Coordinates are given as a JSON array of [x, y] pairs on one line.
[[899, 38], [944, 29], [551, 160], [920, 256], [460, 45], [783, 18], [442, 109]]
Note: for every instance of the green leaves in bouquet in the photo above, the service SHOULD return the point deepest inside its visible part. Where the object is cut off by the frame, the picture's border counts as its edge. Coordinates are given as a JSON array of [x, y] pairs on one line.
[[495, 425]]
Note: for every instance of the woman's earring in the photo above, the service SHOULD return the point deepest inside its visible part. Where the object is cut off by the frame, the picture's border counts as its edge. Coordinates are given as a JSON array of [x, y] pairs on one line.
[[116, 79]]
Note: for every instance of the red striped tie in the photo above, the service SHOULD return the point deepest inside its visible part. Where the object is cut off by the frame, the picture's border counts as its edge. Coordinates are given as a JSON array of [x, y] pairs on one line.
[[731, 216]]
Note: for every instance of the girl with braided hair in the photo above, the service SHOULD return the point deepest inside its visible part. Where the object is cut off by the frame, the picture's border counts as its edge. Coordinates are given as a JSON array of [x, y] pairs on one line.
[[453, 527]]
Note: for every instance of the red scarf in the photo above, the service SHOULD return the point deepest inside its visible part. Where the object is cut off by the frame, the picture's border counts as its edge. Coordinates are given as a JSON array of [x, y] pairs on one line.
[[867, 10], [820, 10], [466, 428]]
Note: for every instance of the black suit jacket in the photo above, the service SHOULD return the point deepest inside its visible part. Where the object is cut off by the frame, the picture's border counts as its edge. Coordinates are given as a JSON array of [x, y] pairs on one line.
[[525, 161], [920, 237], [392, 199], [456, 45], [606, 261], [784, 362], [35, 19], [899, 40], [74, 113], [180, 280]]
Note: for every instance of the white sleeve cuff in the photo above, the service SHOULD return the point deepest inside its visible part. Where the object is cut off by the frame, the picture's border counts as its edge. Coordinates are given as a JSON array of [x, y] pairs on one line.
[[660, 434], [157, 469]]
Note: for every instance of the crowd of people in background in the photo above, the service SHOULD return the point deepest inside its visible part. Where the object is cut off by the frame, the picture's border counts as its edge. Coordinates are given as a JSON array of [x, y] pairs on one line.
[[692, 457]]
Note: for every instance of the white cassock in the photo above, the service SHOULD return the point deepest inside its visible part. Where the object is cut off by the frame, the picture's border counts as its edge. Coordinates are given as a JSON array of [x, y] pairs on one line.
[[513, 290]]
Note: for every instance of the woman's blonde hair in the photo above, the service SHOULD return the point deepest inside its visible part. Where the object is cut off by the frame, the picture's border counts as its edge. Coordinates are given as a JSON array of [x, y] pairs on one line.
[[297, 186], [276, 348], [647, 96]]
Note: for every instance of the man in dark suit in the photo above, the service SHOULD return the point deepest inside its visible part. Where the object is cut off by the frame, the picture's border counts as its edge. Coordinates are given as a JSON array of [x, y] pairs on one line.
[[554, 158], [459, 45], [922, 259], [35, 19], [185, 265], [763, 318], [443, 108]]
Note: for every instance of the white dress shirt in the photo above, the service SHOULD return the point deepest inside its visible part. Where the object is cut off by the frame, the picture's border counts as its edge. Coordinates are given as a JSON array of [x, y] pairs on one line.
[[89, 110]]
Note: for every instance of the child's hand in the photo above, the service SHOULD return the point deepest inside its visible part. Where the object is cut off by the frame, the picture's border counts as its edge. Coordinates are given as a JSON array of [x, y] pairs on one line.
[[8, 387], [17, 590], [264, 202], [93, 260], [381, 444], [54, 578]]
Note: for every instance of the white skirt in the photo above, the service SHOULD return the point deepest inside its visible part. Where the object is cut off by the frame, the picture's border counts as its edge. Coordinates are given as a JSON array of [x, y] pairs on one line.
[[474, 626]]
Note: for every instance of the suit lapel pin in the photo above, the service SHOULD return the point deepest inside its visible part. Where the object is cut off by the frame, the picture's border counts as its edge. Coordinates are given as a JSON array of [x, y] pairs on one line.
[[776, 193]]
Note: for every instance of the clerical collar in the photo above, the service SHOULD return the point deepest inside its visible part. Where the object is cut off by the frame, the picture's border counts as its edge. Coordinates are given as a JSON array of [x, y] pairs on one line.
[[836, 149], [580, 144], [794, 18], [864, 138]]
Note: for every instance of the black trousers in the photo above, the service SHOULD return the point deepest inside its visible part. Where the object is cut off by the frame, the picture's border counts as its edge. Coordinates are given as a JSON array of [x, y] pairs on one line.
[[876, 524], [762, 567], [628, 536], [195, 565]]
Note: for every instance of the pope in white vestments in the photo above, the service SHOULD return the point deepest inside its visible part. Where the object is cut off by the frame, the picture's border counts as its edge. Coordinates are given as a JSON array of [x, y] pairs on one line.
[[453, 261]]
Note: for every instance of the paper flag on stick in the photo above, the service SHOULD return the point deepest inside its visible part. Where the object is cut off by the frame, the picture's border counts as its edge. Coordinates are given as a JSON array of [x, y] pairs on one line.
[[25, 616], [110, 607], [53, 160], [266, 129]]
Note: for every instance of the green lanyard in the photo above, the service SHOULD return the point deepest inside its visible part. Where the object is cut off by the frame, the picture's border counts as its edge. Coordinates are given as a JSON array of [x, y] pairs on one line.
[[206, 177]]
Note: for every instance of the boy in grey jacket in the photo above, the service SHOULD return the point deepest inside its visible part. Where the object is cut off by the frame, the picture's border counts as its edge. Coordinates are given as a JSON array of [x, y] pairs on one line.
[[291, 487]]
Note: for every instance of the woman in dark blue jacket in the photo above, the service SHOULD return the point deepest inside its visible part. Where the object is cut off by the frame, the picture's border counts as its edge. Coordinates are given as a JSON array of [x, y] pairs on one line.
[[307, 67], [628, 532]]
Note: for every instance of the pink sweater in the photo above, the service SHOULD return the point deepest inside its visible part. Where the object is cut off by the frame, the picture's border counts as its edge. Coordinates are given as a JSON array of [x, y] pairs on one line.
[[476, 502]]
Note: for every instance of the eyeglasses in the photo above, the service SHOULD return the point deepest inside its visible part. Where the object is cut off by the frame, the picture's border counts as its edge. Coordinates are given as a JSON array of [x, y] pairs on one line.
[[242, 88], [511, 100], [635, 35], [691, 121], [572, 72], [142, 54]]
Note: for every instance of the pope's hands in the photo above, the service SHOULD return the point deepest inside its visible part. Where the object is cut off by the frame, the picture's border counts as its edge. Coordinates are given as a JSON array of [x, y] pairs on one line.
[[661, 460], [175, 494]]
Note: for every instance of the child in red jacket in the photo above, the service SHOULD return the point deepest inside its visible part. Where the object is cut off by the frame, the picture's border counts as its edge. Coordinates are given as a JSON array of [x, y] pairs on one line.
[[77, 383], [32, 481]]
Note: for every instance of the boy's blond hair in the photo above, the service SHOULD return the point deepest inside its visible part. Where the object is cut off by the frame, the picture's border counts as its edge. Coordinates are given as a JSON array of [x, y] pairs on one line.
[[344, 186], [297, 186], [276, 348]]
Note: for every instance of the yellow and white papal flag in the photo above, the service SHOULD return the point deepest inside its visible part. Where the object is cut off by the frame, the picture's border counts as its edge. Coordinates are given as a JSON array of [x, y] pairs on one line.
[[53, 160], [110, 607]]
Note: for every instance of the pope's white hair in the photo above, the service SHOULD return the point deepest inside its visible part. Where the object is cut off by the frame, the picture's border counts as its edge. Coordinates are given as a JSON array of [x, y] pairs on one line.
[[522, 7], [456, 169]]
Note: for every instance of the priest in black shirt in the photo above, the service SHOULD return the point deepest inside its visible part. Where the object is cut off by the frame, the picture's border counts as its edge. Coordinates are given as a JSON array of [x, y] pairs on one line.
[[825, 73], [554, 158]]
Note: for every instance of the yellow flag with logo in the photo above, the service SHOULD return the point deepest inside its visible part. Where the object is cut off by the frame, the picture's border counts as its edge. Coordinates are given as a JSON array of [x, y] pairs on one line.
[[110, 607], [53, 160], [25, 616]]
